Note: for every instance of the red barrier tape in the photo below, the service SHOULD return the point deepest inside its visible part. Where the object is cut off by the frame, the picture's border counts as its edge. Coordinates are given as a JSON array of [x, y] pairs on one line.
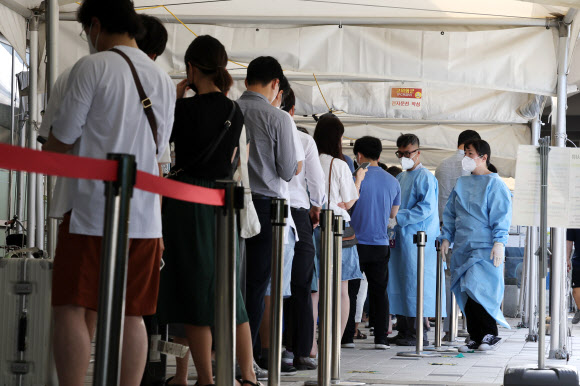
[[65, 165]]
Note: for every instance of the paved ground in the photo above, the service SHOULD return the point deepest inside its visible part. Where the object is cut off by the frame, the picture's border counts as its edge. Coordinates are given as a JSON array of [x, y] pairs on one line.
[[384, 367]]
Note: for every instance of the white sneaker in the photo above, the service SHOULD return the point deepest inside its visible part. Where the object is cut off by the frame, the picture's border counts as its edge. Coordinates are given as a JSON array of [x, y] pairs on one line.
[[489, 342], [347, 345], [382, 346], [469, 347]]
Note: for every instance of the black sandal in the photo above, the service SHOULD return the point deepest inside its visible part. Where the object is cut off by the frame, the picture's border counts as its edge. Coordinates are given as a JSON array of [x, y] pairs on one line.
[[360, 335], [173, 384], [246, 382]]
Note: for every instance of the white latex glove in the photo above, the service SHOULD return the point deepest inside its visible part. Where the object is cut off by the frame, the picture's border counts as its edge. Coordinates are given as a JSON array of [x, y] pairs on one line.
[[497, 253], [445, 249], [392, 223]]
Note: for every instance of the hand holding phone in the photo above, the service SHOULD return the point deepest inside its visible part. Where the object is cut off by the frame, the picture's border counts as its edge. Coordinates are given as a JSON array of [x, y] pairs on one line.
[[364, 165]]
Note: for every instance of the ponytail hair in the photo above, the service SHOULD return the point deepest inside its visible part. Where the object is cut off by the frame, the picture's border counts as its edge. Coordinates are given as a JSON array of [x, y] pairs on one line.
[[207, 54]]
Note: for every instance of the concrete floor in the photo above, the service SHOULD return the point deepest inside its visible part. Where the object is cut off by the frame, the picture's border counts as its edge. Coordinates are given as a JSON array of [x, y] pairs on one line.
[[365, 364]]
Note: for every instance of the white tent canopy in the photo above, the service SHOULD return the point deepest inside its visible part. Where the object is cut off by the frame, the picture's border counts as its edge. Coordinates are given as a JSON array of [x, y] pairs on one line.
[[476, 62]]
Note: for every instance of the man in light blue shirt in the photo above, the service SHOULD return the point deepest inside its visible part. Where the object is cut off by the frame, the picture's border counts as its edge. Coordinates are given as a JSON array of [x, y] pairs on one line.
[[271, 161], [380, 197]]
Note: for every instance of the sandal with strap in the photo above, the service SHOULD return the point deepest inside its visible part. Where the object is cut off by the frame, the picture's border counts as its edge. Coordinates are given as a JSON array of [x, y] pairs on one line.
[[246, 382], [172, 384], [360, 335]]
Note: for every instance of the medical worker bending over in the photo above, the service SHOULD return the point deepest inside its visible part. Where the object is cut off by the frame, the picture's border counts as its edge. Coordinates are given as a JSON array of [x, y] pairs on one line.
[[418, 212], [477, 219]]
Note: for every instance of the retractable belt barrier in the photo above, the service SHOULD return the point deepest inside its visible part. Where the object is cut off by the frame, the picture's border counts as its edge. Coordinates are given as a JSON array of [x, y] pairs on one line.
[[65, 165], [120, 173]]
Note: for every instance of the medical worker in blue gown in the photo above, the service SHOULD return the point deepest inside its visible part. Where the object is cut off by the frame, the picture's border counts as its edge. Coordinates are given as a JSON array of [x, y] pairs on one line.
[[418, 212], [477, 220]]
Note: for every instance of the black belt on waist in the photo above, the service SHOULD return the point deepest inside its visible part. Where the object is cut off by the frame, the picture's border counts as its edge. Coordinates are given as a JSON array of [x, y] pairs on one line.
[[300, 209], [256, 196]]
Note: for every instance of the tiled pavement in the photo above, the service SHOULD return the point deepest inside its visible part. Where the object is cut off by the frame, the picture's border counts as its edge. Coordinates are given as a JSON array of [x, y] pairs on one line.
[[384, 367]]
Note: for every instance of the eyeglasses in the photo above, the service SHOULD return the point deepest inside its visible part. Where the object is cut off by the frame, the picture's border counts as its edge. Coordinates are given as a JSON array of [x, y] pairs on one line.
[[406, 154], [83, 35]]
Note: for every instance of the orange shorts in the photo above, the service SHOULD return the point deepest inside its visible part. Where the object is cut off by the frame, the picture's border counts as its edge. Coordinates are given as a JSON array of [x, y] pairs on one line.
[[75, 278]]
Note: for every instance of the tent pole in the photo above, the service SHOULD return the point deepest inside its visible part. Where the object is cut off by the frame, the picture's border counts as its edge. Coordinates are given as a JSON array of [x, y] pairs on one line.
[[12, 113], [559, 314], [31, 122], [342, 21], [51, 75]]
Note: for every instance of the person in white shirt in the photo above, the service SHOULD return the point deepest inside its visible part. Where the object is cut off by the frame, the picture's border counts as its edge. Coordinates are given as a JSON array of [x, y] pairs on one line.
[[101, 113], [342, 193], [447, 173], [307, 196]]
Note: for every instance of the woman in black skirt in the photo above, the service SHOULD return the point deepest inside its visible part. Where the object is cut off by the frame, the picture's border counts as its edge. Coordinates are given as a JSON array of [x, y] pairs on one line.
[[187, 288]]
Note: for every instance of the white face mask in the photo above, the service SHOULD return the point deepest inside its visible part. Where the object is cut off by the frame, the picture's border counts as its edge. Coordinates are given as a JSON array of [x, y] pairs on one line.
[[92, 48], [407, 163], [468, 164]]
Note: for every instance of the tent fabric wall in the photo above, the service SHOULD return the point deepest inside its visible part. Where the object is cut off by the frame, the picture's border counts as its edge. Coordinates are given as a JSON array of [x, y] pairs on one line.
[[439, 102], [440, 141], [460, 58], [13, 27]]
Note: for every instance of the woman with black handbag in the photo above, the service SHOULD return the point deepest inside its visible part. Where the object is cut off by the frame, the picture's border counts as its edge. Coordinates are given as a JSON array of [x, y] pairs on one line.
[[206, 134], [342, 194]]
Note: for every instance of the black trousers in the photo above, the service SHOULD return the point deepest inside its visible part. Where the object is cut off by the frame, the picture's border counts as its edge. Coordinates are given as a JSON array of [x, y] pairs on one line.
[[258, 262], [406, 326], [374, 262], [479, 322], [300, 285], [349, 330]]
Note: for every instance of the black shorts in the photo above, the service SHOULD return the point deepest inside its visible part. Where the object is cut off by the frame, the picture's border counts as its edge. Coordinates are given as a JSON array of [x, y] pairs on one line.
[[575, 273]]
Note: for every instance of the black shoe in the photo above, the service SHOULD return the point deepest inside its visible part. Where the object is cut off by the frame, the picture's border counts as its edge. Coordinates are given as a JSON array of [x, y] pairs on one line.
[[394, 339], [410, 342], [305, 363], [489, 342], [287, 369]]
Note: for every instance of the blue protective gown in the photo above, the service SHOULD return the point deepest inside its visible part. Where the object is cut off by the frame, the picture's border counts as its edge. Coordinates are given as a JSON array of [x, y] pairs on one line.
[[478, 213], [418, 212]]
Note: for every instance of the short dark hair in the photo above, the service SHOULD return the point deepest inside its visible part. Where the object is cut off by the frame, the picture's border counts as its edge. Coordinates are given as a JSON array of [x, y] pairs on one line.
[[154, 40], [263, 70], [208, 55], [115, 16], [405, 140], [481, 147], [327, 135], [368, 146], [467, 135], [289, 100], [302, 129], [383, 166], [394, 171]]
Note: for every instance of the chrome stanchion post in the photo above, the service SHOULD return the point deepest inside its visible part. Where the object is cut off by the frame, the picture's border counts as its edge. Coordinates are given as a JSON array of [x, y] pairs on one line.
[[225, 279], [440, 284], [421, 240], [438, 306], [113, 272], [279, 212], [338, 228], [324, 305]]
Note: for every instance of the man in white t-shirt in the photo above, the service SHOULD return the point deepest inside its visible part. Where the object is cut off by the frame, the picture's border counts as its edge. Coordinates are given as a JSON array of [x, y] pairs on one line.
[[101, 113]]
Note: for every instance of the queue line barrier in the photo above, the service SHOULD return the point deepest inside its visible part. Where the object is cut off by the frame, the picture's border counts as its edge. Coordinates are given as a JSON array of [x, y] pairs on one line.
[[120, 174], [66, 165]]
